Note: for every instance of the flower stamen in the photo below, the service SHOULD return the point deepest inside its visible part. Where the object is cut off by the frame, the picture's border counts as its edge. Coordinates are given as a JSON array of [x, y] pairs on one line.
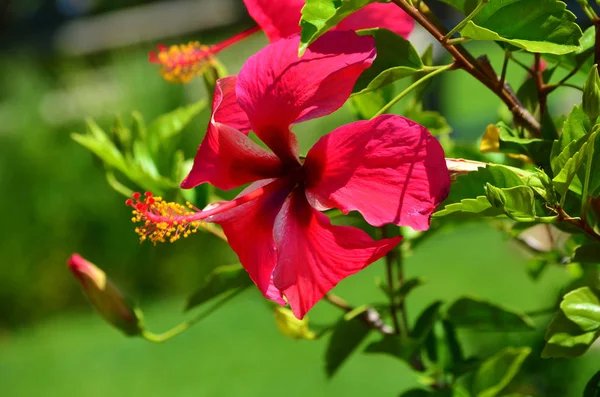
[[161, 220], [181, 63]]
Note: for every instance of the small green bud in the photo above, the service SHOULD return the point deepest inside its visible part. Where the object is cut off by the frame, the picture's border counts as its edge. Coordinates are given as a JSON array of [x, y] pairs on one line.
[[591, 95], [105, 297], [290, 326], [214, 71]]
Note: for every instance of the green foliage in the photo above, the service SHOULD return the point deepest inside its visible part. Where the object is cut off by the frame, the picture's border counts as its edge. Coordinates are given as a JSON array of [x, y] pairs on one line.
[[582, 307], [496, 372], [576, 326], [346, 337], [548, 28], [562, 181], [224, 280], [535, 148], [468, 193], [517, 202], [139, 152], [482, 315], [592, 389], [580, 60], [565, 339], [396, 59], [318, 16]]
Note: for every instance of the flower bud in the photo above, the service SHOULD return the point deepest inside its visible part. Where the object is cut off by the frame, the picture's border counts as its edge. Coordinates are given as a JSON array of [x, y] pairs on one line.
[[105, 297], [591, 95], [213, 72], [290, 326]]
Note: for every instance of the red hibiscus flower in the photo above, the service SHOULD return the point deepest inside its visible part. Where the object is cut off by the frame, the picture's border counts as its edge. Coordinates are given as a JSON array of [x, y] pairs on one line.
[[281, 19], [390, 169], [278, 19]]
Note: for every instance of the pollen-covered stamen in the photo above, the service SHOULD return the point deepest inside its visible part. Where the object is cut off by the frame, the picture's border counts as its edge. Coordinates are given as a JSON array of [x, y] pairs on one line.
[[161, 221], [181, 63]]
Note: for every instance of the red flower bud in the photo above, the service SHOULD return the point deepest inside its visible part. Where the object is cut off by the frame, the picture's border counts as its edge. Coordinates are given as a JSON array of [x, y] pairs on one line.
[[105, 297]]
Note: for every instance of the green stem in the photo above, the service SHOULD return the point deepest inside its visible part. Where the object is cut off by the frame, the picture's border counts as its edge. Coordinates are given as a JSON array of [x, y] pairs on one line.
[[588, 10], [464, 21], [165, 336], [411, 87]]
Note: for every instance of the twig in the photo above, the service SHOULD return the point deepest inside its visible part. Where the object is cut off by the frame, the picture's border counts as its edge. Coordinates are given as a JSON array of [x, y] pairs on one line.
[[466, 61], [370, 317], [539, 83], [462, 23], [576, 222]]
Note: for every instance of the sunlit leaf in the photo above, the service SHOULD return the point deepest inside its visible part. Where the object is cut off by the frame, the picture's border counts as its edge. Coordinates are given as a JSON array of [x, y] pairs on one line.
[[543, 26], [496, 372], [318, 16], [582, 307]]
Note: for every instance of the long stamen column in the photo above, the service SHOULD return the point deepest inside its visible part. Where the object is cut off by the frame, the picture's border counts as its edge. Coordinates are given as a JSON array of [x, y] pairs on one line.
[[161, 220]]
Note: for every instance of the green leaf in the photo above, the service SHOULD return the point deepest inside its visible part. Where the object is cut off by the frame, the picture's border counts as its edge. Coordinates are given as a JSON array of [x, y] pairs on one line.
[[582, 58], [565, 177], [478, 205], [430, 119], [468, 191], [496, 372], [542, 26], [408, 286], [346, 337], [534, 148], [425, 321], [517, 202], [171, 124], [592, 389], [367, 104], [479, 314], [396, 59], [318, 16], [564, 338], [223, 280], [99, 143], [402, 348], [582, 307]]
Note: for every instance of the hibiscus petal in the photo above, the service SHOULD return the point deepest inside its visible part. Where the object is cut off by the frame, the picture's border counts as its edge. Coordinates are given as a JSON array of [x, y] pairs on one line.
[[315, 255], [276, 88], [281, 19], [249, 231], [378, 15], [390, 169], [225, 107], [227, 158], [278, 19]]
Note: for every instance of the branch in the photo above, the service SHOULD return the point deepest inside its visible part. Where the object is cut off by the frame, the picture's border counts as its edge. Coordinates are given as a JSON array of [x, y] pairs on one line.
[[465, 61], [370, 317]]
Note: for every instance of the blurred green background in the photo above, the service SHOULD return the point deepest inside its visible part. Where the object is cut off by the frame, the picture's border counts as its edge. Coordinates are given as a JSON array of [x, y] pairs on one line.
[[62, 61]]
